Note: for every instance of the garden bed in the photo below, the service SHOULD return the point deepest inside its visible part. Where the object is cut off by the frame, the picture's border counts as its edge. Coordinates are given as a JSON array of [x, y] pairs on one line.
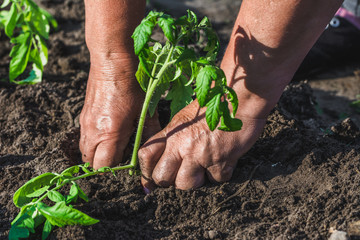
[[301, 180]]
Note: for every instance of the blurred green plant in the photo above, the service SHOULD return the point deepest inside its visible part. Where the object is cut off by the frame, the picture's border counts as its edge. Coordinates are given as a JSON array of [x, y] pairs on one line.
[[28, 26], [356, 104]]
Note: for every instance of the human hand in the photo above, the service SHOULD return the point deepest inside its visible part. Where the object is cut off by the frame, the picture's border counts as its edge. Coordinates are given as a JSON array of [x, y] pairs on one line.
[[108, 118], [186, 151]]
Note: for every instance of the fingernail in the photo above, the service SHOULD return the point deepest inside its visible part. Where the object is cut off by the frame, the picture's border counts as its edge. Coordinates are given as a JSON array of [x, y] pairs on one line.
[[146, 190]]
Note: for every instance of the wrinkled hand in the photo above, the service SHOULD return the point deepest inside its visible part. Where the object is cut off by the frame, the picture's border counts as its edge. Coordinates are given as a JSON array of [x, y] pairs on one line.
[[109, 116], [186, 151]]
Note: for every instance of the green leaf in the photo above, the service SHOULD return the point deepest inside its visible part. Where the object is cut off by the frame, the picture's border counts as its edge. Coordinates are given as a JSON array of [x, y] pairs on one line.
[[38, 21], [35, 58], [49, 17], [187, 54], [213, 44], [144, 65], [24, 222], [82, 195], [43, 50], [203, 83], [71, 170], [18, 233], [10, 22], [74, 192], [55, 196], [23, 210], [142, 35], [192, 17], [228, 123], [3, 17], [20, 55], [61, 215], [46, 230], [166, 23], [213, 112], [232, 96], [5, 3], [38, 192], [34, 77], [180, 95], [84, 167], [142, 77], [20, 197], [205, 22]]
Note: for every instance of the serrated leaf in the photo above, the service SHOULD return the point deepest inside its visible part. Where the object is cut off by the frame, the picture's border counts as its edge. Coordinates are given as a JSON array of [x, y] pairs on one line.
[[166, 23], [46, 230], [5, 3], [20, 55], [55, 196], [203, 83], [187, 54], [20, 199], [142, 77], [10, 22], [212, 114], [213, 44], [228, 123], [180, 95], [142, 35], [232, 96], [61, 215]]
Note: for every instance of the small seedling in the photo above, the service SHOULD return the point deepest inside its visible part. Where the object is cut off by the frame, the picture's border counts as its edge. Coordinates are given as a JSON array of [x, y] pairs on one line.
[[28, 26], [173, 68]]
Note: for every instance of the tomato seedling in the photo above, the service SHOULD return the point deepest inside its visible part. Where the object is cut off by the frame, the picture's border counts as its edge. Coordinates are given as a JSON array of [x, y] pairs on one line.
[[187, 58], [28, 26]]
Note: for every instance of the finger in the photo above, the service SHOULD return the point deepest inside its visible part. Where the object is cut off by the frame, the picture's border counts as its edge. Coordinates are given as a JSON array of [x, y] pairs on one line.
[[221, 172], [166, 169], [150, 153], [87, 149], [190, 175], [108, 154]]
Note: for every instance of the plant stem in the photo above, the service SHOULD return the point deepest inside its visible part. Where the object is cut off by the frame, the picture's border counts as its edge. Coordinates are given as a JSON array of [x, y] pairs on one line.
[[66, 181], [149, 93]]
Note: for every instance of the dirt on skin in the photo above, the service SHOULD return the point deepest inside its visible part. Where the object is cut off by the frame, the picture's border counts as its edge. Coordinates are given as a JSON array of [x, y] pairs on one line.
[[300, 180]]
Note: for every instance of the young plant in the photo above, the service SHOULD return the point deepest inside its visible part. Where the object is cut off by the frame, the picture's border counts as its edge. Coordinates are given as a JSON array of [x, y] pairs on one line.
[[176, 65], [182, 60], [28, 26]]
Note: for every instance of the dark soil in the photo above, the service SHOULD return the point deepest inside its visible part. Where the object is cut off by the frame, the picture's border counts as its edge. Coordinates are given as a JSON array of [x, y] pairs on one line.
[[306, 165]]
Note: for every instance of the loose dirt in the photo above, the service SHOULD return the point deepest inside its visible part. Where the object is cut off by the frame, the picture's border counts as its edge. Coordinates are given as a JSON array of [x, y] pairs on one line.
[[299, 181]]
